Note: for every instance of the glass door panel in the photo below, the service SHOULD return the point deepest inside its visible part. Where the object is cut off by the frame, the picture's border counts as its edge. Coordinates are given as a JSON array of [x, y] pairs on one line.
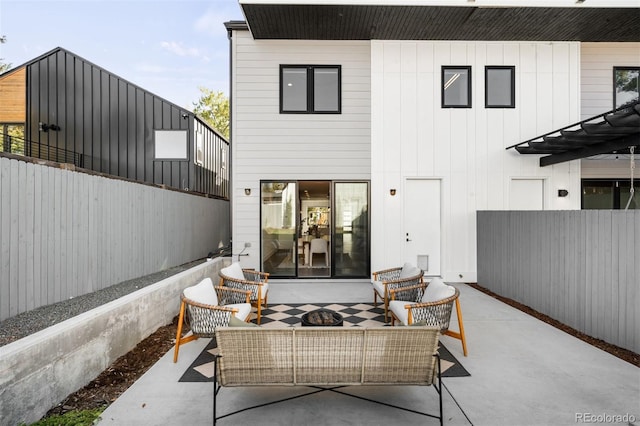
[[278, 223], [351, 229], [314, 238]]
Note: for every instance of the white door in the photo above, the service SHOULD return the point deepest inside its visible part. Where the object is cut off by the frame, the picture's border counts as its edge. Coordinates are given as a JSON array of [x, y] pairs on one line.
[[422, 227], [526, 194]]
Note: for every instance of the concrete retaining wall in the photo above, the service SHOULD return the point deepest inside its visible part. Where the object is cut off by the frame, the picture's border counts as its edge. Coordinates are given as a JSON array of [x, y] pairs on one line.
[[39, 371]]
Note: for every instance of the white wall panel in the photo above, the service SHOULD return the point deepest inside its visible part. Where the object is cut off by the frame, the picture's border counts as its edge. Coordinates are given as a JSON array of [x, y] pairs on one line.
[[466, 146], [270, 145]]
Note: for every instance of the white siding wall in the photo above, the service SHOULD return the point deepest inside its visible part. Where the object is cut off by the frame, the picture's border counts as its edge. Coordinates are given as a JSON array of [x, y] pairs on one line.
[[412, 136], [596, 64], [270, 145]]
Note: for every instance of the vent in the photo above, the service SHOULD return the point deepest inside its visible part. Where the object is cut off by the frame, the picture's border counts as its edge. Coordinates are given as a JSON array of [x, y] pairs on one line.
[[423, 262]]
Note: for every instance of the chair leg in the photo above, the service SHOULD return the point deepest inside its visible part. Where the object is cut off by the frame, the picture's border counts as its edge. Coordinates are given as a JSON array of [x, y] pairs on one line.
[[259, 311], [179, 339], [459, 335], [179, 333]]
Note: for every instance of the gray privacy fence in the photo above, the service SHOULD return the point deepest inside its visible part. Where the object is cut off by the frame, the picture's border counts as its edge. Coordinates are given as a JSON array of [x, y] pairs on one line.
[[65, 233], [581, 268]]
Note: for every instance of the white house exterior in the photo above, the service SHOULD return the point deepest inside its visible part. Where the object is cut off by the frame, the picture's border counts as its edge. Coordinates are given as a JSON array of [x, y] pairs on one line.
[[418, 170]]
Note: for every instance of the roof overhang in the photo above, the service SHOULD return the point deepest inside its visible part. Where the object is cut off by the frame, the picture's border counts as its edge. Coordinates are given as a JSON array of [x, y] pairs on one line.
[[489, 20], [613, 131]]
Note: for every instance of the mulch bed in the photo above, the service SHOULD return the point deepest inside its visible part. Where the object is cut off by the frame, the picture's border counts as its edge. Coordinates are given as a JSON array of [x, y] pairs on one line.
[[624, 354]]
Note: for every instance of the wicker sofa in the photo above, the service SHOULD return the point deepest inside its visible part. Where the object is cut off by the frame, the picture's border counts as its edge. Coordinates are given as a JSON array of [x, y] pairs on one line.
[[327, 358]]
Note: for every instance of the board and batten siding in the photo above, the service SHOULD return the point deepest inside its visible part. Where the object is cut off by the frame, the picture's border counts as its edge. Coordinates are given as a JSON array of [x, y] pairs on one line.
[[64, 233], [269, 145], [413, 137], [578, 267]]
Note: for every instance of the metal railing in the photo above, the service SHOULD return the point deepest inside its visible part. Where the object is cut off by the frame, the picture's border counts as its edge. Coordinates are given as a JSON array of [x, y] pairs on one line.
[[19, 146]]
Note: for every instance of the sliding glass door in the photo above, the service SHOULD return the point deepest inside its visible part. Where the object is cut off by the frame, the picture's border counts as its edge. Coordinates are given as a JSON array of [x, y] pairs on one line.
[[351, 230], [278, 217], [315, 229]]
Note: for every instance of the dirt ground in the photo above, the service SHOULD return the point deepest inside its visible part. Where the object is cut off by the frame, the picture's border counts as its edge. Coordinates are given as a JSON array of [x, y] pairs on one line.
[[111, 383]]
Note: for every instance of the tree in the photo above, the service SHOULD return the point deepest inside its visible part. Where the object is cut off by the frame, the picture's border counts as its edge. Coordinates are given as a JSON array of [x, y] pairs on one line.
[[213, 108], [3, 66]]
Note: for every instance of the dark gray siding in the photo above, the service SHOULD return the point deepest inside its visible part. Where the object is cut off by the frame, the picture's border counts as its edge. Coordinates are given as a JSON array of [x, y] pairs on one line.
[[110, 123]]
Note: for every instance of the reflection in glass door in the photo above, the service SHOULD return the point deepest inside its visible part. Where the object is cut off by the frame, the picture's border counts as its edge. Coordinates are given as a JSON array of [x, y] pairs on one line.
[[351, 229], [278, 217], [308, 232], [314, 236]]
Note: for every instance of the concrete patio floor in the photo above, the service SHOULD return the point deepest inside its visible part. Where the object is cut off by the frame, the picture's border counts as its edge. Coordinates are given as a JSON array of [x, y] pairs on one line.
[[523, 372]]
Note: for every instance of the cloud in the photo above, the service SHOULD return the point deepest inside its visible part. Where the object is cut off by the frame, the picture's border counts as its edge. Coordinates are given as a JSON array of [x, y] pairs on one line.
[[180, 50]]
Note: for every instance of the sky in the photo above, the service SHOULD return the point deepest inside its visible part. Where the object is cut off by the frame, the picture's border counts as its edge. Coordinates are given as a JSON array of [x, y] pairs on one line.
[[167, 47]]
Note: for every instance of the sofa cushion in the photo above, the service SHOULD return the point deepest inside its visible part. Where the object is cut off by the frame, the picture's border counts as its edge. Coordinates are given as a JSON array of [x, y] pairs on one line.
[[234, 321], [234, 271], [437, 290], [203, 293]]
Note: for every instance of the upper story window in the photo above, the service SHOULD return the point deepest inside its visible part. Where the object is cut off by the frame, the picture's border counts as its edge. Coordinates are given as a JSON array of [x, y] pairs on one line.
[[499, 85], [625, 85], [456, 87], [310, 89]]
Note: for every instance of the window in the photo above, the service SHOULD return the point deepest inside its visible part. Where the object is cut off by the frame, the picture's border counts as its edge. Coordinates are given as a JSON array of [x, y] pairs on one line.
[[625, 85], [310, 89], [456, 87], [171, 145], [499, 84]]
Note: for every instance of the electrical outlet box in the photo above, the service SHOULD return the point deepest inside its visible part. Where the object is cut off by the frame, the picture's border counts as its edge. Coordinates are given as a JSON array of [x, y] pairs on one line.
[[247, 245]]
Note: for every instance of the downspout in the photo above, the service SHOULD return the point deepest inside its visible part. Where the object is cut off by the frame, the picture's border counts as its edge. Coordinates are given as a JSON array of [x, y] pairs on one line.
[[230, 159]]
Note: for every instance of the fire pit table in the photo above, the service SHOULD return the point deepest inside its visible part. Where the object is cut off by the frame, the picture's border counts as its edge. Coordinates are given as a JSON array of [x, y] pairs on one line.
[[322, 318]]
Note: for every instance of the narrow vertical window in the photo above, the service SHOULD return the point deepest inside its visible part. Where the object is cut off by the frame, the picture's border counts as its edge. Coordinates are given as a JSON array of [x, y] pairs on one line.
[[499, 83], [310, 89], [456, 87], [625, 85]]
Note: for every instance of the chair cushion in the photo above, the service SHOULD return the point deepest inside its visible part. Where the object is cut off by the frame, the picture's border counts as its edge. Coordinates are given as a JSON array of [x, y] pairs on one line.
[[234, 271], [203, 292], [399, 311], [378, 287], [408, 270], [244, 309], [437, 290], [234, 321]]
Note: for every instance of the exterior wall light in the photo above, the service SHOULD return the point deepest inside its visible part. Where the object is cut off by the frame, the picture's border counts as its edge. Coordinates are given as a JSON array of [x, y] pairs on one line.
[[247, 191], [392, 191], [562, 192]]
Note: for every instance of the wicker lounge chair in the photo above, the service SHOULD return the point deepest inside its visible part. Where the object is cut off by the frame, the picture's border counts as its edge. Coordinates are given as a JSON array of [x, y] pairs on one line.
[[386, 280], [208, 307], [414, 304], [247, 279]]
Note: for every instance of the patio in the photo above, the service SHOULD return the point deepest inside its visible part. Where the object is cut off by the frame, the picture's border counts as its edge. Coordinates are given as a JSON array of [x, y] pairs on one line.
[[523, 372]]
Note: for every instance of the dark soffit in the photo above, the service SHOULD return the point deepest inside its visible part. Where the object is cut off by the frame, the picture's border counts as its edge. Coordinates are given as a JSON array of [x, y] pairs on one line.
[[613, 131], [384, 22]]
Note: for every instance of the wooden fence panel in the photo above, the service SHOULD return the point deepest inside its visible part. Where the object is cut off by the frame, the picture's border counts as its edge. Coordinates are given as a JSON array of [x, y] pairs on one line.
[[65, 233], [579, 267]]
